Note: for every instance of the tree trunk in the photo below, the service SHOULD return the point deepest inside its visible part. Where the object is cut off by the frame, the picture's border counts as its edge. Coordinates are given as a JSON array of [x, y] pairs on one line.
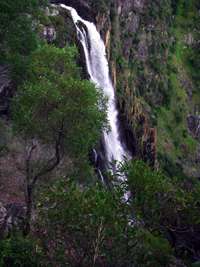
[[29, 206]]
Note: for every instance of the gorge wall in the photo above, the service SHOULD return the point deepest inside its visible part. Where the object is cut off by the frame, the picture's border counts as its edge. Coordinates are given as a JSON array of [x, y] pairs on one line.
[[153, 51], [149, 48]]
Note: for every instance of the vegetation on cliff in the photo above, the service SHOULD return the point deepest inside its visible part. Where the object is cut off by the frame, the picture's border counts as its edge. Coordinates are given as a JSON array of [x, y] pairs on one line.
[[91, 226], [156, 59], [18, 33], [57, 117]]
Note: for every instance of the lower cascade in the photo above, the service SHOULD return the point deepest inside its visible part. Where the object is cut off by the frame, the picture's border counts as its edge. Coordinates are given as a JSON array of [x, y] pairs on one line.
[[98, 70]]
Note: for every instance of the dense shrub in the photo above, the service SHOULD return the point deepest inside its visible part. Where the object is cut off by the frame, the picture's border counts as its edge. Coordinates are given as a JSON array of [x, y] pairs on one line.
[[168, 206], [17, 251], [92, 227]]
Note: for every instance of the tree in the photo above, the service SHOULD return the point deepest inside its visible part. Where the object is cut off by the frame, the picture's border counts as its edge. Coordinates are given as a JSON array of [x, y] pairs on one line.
[[18, 33], [166, 205], [91, 227], [57, 108], [155, 198], [17, 251], [102, 6]]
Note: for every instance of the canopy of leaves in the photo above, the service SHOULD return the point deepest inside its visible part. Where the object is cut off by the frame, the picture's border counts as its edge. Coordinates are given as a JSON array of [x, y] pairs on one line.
[[55, 103], [17, 251], [17, 32], [92, 227], [166, 205], [161, 201]]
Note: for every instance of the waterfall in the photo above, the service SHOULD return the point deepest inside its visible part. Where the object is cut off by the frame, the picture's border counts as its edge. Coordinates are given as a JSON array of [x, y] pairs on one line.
[[98, 70]]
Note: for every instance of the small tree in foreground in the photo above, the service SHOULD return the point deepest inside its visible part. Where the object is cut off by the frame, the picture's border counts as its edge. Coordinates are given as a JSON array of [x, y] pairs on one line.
[[56, 108]]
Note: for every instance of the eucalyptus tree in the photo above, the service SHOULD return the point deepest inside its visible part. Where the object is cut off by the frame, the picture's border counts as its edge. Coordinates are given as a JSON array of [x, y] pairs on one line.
[[57, 108]]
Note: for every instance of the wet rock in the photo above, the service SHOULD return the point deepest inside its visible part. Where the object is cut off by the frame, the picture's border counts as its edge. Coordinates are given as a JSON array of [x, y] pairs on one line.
[[81, 6]]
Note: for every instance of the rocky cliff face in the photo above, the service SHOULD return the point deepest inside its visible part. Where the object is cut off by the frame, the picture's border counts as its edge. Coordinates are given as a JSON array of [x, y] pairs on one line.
[[157, 95], [120, 23], [153, 48], [147, 50]]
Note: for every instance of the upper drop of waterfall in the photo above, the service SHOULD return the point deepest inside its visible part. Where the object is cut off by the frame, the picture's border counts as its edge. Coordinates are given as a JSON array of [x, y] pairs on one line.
[[98, 69]]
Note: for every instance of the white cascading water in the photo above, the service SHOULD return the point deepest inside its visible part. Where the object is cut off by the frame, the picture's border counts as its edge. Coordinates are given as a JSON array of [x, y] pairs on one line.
[[97, 67]]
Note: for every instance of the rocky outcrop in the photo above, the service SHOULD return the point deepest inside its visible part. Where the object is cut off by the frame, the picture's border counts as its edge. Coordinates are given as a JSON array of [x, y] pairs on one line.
[[130, 40], [48, 33], [137, 40], [149, 145], [194, 125], [12, 218], [83, 7]]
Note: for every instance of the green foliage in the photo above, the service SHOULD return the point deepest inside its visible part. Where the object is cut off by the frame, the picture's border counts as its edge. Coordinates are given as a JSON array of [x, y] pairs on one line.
[[17, 251], [184, 87], [187, 22], [17, 33], [160, 201], [165, 205], [91, 227], [100, 6], [154, 196], [152, 250], [56, 103]]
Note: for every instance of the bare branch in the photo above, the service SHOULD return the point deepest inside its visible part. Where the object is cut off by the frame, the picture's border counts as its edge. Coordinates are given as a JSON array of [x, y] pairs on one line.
[[54, 162]]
